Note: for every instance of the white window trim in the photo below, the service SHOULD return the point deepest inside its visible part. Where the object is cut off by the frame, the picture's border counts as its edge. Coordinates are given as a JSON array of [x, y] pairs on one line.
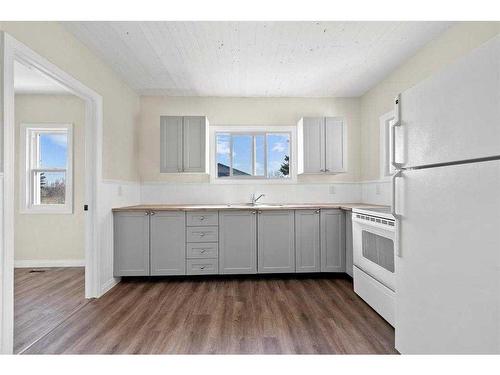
[[386, 169], [253, 129], [25, 178]]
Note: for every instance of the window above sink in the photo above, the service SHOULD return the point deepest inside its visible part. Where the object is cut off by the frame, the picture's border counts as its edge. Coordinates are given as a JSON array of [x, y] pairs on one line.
[[240, 154]]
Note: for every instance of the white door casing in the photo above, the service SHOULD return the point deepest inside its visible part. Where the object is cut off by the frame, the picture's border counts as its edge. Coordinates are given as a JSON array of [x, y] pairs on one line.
[[14, 50]]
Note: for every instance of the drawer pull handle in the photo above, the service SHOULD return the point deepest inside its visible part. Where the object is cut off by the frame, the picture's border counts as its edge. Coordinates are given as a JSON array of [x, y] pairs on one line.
[[203, 250], [202, 218], [202, 267], [202, 234]]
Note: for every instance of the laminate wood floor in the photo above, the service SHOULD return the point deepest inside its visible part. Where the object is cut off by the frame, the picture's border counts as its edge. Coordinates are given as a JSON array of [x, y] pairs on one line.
[[224, 315], [43, 299]]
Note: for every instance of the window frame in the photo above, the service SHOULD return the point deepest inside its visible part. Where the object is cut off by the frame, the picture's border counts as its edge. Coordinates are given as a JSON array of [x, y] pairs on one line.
[[386, 169], [253, 130], [27, 169]]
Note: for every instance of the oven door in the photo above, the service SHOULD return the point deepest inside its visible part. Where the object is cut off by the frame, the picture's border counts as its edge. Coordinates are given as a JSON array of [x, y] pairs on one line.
[[373, 250]]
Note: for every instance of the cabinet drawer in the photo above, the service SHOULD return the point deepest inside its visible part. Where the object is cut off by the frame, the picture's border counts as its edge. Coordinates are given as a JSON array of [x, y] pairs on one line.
[[202, 218], [202, 266], [202, 250], [202, 234]]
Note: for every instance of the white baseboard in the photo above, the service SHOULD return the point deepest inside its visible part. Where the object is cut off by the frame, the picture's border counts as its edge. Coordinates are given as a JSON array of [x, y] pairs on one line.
[[45, 263], [106, 287]]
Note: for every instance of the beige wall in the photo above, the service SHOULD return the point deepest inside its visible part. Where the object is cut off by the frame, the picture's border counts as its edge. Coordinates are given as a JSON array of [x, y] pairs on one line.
[[52, 236], [243, 111], [455, 42], [120, 103]]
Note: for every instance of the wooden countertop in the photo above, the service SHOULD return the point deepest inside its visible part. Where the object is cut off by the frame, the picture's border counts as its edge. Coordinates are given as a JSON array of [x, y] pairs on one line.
[[242, 206]]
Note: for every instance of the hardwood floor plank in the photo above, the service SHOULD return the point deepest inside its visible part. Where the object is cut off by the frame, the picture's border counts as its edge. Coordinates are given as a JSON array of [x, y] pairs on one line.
[[44, 299], [224, 315]]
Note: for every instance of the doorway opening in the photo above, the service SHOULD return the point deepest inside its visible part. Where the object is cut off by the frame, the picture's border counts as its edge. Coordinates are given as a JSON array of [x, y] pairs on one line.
[[37, 180]]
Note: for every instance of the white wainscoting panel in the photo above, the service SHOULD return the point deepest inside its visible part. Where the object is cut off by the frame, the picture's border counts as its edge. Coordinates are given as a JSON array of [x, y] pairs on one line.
[[376, 192], [161, 192], [114, 194]]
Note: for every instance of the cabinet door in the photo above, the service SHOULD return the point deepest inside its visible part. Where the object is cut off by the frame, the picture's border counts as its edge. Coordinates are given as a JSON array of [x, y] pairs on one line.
[[237, 242], [168, 244], [131, 244], [170, 144], [348, 243], [276, 241], [334, 145], [332, 241], [307, 241], [194, 143], [314, 144]]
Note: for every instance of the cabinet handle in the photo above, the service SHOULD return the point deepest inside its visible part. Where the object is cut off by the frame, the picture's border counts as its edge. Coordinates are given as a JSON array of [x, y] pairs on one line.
[[317, 211], [202, 218], [203, 250], [151, 213], [260, 212], [202, 267], [253, 212], [146, 213]]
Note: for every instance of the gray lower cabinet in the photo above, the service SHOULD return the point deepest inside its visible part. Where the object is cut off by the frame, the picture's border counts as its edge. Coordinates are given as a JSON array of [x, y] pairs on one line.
[[168, 243], [237, 242], [307, 241], [131, 244], [348, 243], [276, 241], [332, 240]]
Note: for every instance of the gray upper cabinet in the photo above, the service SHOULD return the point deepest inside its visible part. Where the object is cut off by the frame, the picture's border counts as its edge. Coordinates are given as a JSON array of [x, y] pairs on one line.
[[237, 242], [184, 144], [276, 241], [307, 241], [334, 145], [322, 145], [131, 244], [332, 240], [313, 144], [171, 144], [348, 243], [168, 243]]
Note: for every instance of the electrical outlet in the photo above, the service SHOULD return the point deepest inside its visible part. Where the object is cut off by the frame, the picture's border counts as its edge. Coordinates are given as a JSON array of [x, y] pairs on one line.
[[332, 189]]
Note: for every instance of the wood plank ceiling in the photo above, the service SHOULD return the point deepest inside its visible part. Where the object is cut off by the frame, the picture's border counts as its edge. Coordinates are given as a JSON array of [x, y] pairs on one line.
[[275, 59]]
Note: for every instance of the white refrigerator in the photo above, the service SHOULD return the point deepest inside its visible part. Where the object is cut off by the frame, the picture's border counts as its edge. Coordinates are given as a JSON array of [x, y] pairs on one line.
[[446, 145]]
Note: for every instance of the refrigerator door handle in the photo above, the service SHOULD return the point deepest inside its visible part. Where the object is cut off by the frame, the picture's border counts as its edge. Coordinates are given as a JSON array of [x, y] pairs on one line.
[[397, 122], [397, 245]]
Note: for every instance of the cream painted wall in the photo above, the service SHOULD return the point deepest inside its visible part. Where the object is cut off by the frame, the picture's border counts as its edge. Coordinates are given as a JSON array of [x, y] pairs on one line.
[[52, 236], [243, 111], [120, 102], [453, 43]]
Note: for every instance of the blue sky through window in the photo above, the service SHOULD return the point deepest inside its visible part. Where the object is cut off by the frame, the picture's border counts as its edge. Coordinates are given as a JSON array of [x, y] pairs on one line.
[[274, 155], [278, 146], [53, 153]]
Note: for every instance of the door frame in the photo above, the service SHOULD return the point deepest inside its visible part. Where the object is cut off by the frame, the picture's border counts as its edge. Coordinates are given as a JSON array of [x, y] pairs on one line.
[[14, 50]]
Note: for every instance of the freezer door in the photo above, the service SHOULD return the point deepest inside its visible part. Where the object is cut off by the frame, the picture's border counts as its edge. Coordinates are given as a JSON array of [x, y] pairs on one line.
[[455, 114], [448, 275]]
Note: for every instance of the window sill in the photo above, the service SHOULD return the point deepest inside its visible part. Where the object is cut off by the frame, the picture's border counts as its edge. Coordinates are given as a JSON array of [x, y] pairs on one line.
[[46, 211], [252, 181]]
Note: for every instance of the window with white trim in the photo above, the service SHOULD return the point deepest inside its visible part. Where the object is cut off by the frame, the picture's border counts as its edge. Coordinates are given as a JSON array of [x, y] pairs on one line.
[[253, 155], [47, 161]]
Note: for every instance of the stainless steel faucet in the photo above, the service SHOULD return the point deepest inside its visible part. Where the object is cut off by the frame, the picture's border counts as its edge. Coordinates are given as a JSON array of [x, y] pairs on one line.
[[254, 200]]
